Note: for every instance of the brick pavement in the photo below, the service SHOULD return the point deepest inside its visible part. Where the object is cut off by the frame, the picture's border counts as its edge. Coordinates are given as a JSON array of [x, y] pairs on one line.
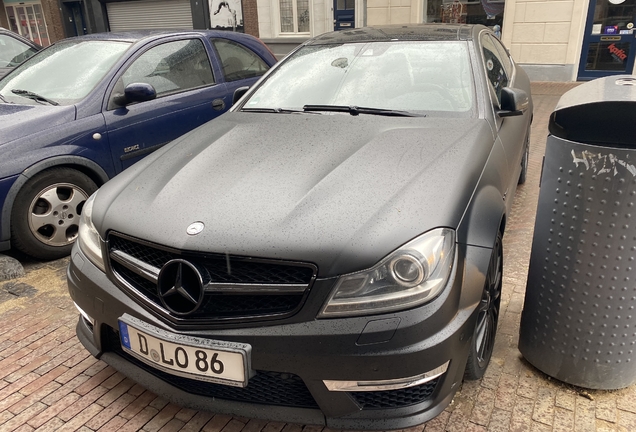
[[48, 382]]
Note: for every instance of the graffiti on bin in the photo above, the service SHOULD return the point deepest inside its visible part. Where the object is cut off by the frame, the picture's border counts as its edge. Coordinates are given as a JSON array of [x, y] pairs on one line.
[[601, 163]]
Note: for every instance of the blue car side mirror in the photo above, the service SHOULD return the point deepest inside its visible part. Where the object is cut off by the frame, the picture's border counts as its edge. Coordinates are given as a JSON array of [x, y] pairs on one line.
[[136, 92]]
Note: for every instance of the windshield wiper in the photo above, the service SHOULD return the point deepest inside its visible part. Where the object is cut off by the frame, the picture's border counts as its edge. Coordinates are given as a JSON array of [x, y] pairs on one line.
[[2, 98], [276, 110], [36, 97], [355, 110]]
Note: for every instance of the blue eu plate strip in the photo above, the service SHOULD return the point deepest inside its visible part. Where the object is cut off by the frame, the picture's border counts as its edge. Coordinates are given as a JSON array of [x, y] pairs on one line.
[[123, 333]]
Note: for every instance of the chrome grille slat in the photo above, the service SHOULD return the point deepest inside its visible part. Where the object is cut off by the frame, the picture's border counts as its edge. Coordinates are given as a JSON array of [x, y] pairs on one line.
[[247, 289]]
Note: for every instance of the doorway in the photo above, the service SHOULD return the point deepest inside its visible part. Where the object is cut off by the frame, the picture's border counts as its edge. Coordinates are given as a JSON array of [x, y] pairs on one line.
[[608, 42], [344, 14], [74, 22]]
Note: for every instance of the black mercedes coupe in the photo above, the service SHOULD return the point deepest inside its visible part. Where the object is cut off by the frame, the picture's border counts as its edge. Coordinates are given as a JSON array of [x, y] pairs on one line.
[[330, 250]]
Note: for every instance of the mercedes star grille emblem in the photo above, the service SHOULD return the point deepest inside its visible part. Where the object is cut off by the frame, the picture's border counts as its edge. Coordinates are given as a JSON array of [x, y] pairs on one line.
[[180, 287], [195, 228]]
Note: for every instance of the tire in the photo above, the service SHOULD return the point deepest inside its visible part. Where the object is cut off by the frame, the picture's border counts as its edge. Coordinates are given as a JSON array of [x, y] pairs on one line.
[[46, 213], [483, 339], [524, 161]]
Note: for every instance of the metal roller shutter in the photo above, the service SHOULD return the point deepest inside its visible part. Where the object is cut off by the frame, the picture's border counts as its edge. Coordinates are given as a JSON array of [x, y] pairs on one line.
[[149, 14]]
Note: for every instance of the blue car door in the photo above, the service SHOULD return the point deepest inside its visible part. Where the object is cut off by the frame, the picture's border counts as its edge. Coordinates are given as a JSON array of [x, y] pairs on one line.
[[181, 72]]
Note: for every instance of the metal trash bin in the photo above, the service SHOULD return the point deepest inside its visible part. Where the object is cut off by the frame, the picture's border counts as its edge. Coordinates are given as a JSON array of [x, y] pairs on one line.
[[579, 318]]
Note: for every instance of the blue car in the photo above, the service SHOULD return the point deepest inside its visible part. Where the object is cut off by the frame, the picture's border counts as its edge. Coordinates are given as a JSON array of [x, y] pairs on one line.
[[84, 109]]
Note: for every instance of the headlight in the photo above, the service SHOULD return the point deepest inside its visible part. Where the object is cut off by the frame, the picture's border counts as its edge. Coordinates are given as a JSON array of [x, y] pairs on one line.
[[89, 240], [410, 276]]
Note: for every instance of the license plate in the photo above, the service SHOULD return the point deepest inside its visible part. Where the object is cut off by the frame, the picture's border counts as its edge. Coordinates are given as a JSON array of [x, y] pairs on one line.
[[187, 356]]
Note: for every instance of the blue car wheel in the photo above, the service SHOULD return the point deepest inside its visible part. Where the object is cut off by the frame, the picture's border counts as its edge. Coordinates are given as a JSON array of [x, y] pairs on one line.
[[46, 213]]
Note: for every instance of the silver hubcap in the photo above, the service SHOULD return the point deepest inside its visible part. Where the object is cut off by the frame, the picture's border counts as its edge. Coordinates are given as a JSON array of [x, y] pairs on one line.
[[54, 214]]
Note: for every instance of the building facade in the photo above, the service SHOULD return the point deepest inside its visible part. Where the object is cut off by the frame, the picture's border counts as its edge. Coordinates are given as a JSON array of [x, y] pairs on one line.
[[47, 21], [555, 40]]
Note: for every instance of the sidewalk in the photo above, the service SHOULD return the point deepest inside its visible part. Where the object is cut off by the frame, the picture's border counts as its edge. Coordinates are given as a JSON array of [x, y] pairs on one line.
[[48, 382]]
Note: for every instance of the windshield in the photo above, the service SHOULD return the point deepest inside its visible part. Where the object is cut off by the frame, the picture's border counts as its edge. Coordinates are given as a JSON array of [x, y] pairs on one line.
[[64, 73], [422, 77]]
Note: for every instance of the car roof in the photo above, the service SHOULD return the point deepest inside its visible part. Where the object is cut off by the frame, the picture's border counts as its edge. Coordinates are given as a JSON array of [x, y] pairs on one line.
[[411, 32], [138, 35], [19, 37]]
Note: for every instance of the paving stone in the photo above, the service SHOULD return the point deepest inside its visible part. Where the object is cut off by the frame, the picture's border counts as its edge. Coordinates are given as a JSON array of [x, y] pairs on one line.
[[500, 420], [218, 422], [606, 409], [522, 415], [197, 422], [544, 406], [505, 395], [565, 399], [584, 415], [483, 407]]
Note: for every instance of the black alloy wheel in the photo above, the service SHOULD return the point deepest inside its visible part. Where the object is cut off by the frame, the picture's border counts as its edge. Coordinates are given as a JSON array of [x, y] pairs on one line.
[[483, 340]]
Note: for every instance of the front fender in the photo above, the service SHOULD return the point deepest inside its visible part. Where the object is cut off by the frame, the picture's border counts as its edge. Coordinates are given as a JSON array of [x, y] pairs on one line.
[[85, 165]]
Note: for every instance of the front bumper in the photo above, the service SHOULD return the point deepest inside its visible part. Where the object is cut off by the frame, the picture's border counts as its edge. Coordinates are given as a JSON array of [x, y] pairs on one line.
[[292, 360]]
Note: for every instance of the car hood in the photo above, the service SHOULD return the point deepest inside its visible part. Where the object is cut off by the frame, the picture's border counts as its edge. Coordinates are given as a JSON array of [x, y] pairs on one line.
[[335, 190], [16, 121]]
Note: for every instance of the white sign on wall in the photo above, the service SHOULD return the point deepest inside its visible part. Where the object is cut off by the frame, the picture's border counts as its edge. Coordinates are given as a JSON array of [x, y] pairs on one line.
[[226, 15]]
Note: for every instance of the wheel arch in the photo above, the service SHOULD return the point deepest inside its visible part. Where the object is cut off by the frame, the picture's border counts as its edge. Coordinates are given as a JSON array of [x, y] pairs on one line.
[[83, 165], [485, 216]]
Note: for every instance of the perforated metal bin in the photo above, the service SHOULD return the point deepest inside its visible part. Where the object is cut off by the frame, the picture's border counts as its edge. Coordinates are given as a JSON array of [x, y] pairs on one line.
[[579, 318]]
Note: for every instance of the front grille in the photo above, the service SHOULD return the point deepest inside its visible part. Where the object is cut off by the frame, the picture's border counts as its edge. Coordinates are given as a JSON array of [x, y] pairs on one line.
[[265, 387], [395, 398], [231, 271]]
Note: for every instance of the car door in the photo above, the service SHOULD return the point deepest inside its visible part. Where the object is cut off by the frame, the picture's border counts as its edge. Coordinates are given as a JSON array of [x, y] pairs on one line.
[[188, 95], [240, 65], [510, 130]]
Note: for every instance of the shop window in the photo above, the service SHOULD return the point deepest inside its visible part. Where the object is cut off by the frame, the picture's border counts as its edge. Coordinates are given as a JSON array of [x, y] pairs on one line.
[[486, 12], [27, 20], [171, 67], [238, 62], [294, 16]]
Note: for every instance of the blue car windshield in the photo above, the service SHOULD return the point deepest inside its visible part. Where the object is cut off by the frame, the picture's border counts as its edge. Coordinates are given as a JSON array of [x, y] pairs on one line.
[[420, 77], [63, 73]]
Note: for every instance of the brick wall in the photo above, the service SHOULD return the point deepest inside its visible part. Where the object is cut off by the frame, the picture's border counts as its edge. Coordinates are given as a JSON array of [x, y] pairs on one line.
[[250, 17], [53, 19]]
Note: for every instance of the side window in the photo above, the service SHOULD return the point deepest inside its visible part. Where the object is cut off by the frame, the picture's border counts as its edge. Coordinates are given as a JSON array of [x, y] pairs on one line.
[[13, 52], [237, 61], [495, 71], [171, 67], [505, 57]]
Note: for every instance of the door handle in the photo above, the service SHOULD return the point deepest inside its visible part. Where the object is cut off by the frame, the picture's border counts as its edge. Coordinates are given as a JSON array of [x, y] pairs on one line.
[[218, 104]]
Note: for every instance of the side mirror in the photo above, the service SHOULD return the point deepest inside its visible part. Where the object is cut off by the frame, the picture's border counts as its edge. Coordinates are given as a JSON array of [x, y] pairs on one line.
[[136, 92], [238, 93], [514, 102]]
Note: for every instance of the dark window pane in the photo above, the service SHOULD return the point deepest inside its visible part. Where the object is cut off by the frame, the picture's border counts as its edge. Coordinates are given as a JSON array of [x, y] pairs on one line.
[[608, 56], [237, 61], [286, 16]]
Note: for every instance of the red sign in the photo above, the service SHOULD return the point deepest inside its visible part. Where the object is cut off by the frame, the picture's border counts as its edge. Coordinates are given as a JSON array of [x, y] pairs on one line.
[[617, 52]]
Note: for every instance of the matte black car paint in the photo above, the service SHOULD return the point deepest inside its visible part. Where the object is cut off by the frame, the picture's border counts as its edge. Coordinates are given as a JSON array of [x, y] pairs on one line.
[[342, 201]]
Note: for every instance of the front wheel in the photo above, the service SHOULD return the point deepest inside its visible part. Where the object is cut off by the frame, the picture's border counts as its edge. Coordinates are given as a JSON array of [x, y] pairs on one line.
[[46, 213], [483, 340]]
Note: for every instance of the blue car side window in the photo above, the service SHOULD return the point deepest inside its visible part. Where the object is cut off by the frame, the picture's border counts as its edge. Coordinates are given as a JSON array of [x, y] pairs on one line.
[[170, 68]]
